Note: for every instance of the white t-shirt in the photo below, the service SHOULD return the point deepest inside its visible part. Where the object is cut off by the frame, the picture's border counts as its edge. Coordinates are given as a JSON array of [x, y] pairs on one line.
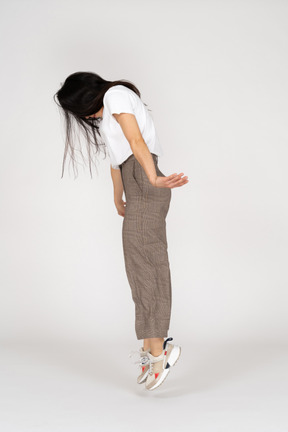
[[120, 99]]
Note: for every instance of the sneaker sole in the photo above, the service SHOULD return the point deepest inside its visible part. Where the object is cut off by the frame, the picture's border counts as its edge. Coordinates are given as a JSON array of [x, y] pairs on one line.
[[174, 356]]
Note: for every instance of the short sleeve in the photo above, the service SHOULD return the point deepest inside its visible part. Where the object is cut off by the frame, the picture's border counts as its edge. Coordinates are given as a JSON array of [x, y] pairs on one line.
[[119, 101], [115, 166]]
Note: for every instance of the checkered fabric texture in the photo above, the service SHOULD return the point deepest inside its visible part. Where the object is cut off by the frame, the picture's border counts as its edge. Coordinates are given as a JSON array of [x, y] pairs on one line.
[[145, 249]]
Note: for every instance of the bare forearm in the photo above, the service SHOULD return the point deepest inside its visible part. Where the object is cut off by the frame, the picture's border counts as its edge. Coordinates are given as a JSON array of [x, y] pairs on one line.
[[144, 157], [117, 183]]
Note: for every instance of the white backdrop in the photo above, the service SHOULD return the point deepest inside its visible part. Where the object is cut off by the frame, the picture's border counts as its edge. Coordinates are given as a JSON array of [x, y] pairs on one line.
[[214, 75]]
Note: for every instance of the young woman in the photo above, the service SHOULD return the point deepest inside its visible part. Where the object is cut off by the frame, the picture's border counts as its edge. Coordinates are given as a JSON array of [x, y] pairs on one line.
[[113, 117]]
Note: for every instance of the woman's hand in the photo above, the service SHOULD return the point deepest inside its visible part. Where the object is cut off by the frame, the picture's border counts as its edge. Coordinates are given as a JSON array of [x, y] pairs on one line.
[[120, 206], [172, 181]]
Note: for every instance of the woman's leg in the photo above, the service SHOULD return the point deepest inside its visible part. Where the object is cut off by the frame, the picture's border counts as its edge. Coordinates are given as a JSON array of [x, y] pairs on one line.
[[155, 345], [146, 253]]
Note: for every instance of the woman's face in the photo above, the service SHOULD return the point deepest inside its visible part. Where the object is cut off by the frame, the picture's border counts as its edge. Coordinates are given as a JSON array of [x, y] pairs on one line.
[[98, 114]]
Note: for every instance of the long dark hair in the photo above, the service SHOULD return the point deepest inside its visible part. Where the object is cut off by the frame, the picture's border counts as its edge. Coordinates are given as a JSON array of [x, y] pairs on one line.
[[82, 95]]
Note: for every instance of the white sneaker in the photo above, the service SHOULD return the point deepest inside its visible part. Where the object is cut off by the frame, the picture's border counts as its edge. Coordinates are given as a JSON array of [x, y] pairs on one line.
[[159, 367]]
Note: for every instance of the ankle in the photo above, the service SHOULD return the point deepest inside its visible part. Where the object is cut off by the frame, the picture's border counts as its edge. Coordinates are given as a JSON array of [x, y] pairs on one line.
[[156, 346], [156, 353]]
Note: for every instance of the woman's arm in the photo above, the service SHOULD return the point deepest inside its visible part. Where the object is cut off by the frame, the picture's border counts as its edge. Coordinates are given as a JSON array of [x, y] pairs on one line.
[[138, 146], [118, 190]]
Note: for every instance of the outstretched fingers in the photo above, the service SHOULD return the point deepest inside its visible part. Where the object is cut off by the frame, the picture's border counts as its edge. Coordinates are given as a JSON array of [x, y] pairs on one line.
[[176, 180]]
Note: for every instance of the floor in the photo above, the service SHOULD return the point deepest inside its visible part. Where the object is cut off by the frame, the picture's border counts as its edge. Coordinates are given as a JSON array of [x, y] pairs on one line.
[[71, 386]]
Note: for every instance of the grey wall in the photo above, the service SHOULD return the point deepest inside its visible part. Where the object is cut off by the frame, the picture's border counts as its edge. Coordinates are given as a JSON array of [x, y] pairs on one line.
[[214, 74]]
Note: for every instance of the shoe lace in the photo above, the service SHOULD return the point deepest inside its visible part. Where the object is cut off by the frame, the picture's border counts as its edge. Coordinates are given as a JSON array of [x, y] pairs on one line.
[[151, 371], [142, 359]]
